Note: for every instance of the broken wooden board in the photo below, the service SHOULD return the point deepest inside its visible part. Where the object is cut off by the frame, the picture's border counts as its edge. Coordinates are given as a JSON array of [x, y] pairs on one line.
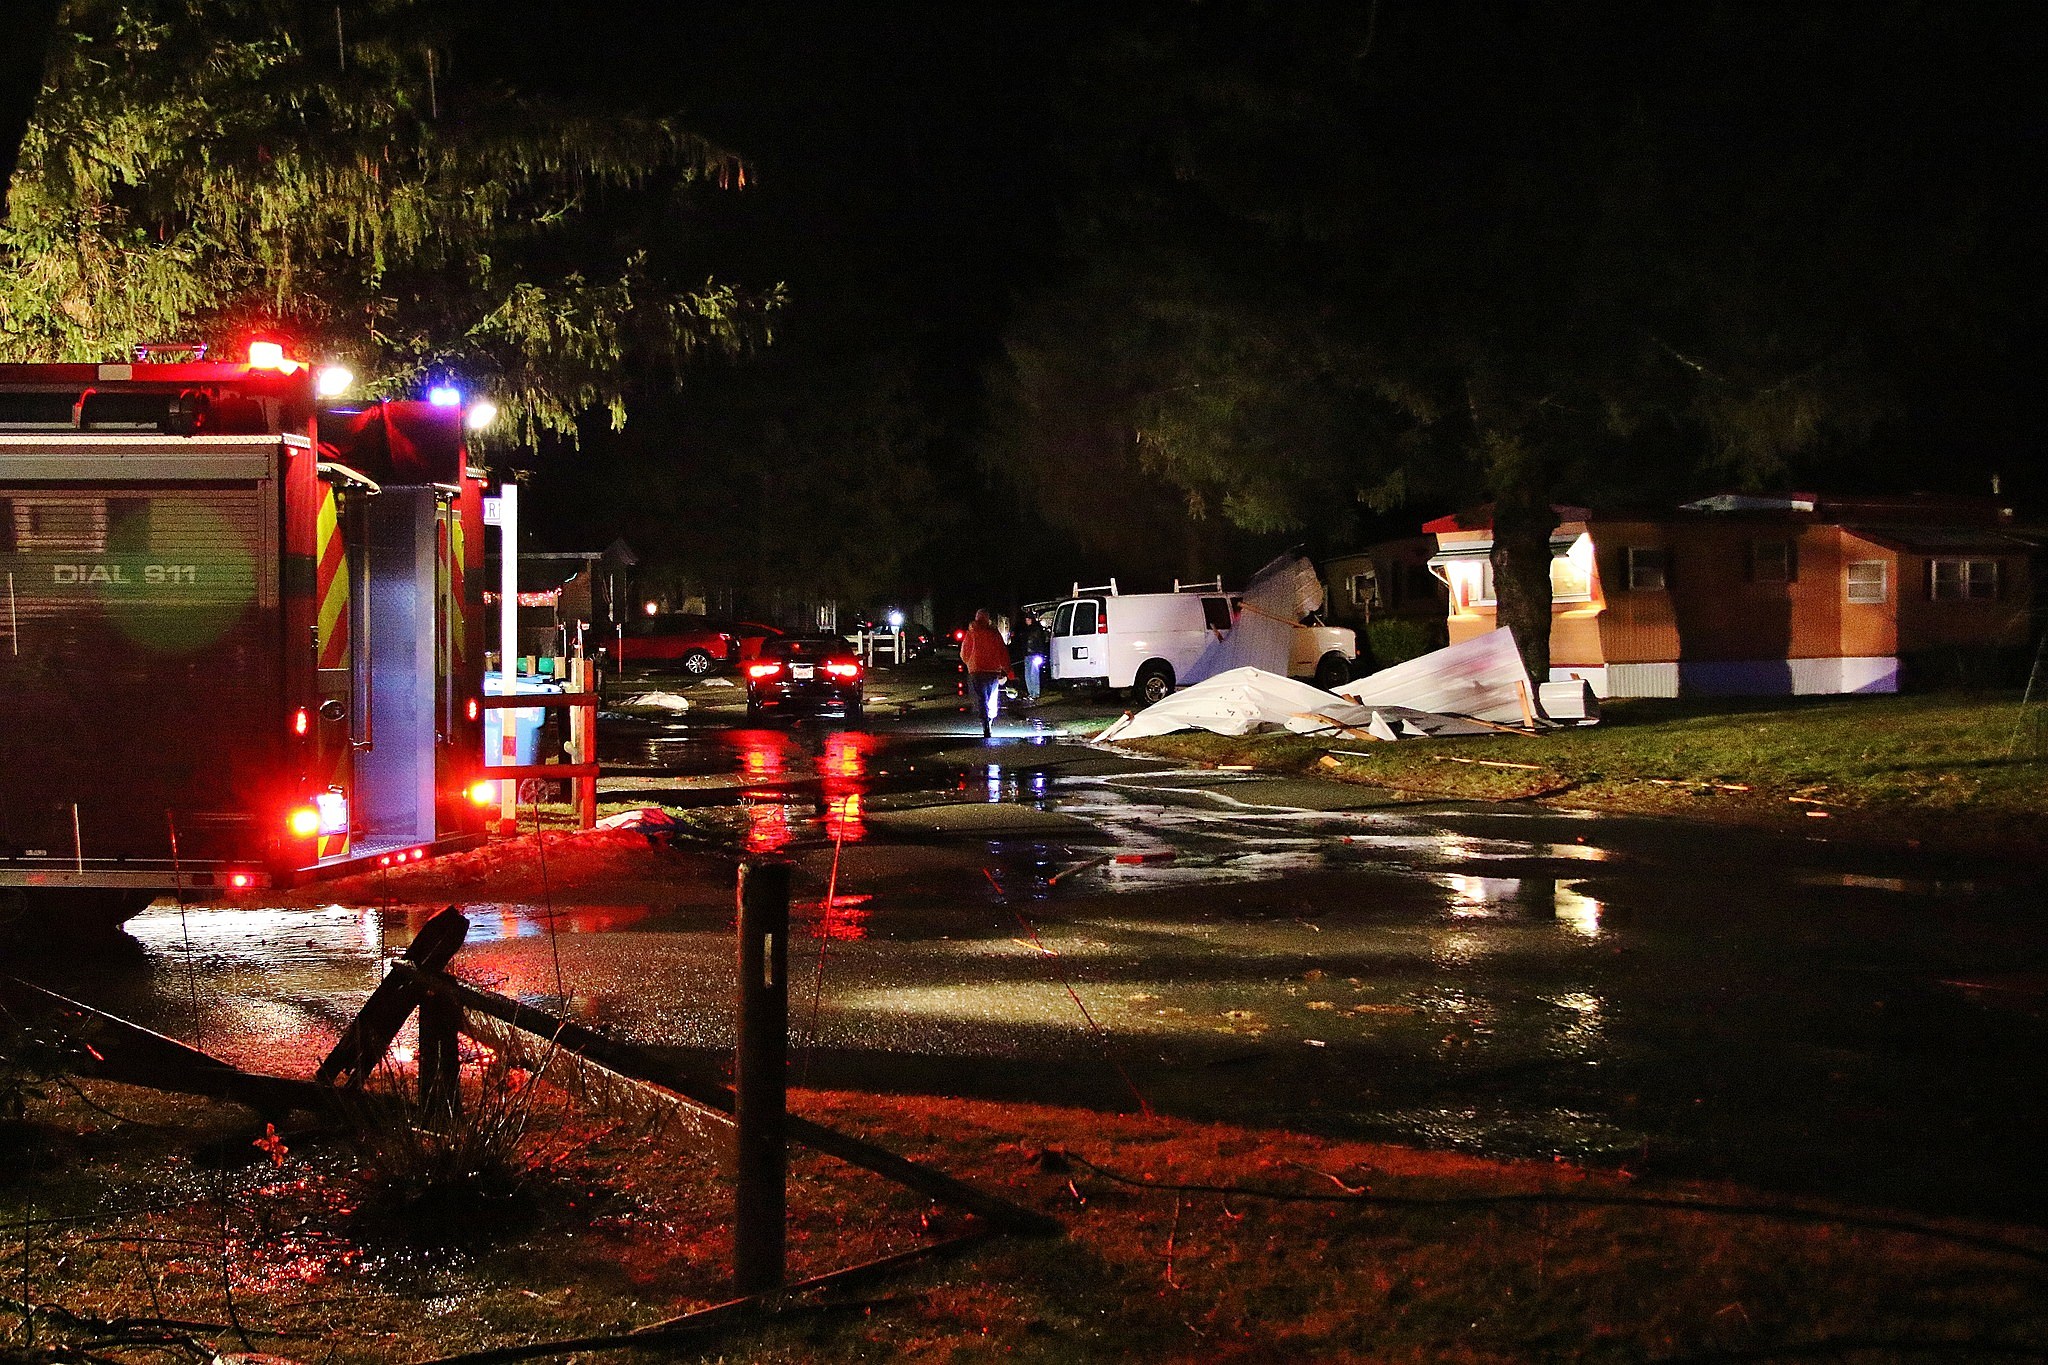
[[368, 1036]]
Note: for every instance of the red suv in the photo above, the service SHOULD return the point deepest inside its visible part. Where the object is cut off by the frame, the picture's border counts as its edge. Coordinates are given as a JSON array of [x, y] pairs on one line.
[[694, 644]]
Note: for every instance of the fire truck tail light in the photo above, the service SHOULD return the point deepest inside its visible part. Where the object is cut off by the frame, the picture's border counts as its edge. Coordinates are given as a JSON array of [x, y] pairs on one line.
[[333, 809], [302, 721], [484, 793], [303, 822], [474, 708]]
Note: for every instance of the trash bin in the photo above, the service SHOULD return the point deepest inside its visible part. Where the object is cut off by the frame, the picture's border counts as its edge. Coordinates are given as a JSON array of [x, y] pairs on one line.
[[526, 724]]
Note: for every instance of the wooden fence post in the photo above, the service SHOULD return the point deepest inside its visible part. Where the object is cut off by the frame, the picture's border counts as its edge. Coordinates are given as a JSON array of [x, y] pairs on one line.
[[760, 1081], [440, 1056]]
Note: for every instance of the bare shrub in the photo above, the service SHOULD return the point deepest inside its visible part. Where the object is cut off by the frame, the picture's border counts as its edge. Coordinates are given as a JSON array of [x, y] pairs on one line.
[[444, 1177]]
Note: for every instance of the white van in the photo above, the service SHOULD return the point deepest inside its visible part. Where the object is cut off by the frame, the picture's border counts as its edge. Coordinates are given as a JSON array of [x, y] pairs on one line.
[[1147, 640]]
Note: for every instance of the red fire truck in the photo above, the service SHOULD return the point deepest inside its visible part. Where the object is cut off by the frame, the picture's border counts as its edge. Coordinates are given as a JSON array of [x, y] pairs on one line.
[[240, 636]]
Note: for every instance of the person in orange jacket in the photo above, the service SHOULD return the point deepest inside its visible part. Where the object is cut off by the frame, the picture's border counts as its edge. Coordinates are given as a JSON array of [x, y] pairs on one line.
[[987, 660]]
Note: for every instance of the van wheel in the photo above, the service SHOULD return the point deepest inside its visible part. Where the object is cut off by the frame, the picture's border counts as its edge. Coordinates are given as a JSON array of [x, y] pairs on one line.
[[1333, 670], [1154, 682]]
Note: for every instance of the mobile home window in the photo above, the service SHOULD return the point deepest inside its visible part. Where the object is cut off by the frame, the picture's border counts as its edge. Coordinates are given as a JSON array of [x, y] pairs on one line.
[[1770, 561], [1571, 579], [1484, 595], [1648, 569], [1959, 580], [1867, 580]]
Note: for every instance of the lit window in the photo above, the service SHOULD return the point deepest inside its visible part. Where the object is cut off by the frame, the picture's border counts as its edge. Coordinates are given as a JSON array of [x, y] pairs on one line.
[[1867, 580], [1571, 573], [1958, 580], [1648, 569], [1484, 595], [1365, 589], [1770, 561]]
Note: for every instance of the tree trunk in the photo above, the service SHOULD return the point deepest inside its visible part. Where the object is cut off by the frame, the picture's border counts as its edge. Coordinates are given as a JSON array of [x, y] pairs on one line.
[[23, 35], [1522, 523]]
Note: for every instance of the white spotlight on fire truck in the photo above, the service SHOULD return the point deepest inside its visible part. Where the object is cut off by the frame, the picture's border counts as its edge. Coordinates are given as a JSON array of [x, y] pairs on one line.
[[481, 414], [332, 381]]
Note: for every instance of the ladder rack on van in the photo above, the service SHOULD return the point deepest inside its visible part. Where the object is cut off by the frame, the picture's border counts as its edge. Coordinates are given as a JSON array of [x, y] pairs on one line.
[[1109, 587], [1211, 585]]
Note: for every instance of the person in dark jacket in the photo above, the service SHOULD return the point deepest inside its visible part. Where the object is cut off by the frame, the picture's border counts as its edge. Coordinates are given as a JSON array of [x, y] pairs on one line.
[[986, 657], [1033, 643]]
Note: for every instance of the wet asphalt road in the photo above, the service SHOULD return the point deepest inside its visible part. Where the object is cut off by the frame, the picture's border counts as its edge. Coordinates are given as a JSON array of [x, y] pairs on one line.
[[1029, 919]]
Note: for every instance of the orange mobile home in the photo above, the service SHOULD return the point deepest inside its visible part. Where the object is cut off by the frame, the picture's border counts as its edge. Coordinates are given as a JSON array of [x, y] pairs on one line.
[[1748, 595]]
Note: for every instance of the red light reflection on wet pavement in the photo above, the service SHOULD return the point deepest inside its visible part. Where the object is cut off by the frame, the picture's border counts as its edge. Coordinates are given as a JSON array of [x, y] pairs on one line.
[[845, 920], [778, 761]]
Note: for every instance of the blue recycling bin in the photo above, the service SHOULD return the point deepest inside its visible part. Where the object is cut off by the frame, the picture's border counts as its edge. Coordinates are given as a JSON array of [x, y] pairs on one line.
[[526, 724]]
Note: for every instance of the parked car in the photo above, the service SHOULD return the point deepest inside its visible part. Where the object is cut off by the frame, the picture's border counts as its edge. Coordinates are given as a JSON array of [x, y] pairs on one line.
[[749, 636], [807, 672], [694, 644]]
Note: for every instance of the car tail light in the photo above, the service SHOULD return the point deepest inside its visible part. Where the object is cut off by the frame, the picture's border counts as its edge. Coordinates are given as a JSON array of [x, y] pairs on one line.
[[843, 670], [763, 670], [303, 822]]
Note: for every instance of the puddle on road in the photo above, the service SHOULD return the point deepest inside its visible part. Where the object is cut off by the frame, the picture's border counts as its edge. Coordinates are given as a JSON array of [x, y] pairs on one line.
[[1474, 989]]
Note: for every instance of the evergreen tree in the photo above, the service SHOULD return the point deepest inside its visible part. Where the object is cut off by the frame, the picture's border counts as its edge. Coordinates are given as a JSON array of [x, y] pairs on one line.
[[201, 170]]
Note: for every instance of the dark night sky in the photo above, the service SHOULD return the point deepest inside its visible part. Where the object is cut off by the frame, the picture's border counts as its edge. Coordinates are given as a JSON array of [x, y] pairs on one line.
[[910, 176]]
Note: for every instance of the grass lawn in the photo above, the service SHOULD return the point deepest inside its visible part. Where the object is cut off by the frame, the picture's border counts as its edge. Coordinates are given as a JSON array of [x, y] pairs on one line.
[[1933, 768], [126, 1237]]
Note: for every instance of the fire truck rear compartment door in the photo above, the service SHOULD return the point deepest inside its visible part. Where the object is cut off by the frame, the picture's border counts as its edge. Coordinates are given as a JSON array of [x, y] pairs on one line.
[[139, 661], [395, 775]]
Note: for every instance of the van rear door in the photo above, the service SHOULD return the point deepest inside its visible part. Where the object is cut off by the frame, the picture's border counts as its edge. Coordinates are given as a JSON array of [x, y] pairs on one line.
[[1079, 653]]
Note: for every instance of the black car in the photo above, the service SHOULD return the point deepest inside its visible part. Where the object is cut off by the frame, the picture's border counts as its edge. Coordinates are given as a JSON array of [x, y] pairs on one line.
[[811, 672]]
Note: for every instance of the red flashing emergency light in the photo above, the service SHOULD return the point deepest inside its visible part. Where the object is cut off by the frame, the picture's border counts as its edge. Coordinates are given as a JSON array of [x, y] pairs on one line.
[[304, 822], [475, 708], [269, 355], [302, 721], [484, 793], [241, 881]]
